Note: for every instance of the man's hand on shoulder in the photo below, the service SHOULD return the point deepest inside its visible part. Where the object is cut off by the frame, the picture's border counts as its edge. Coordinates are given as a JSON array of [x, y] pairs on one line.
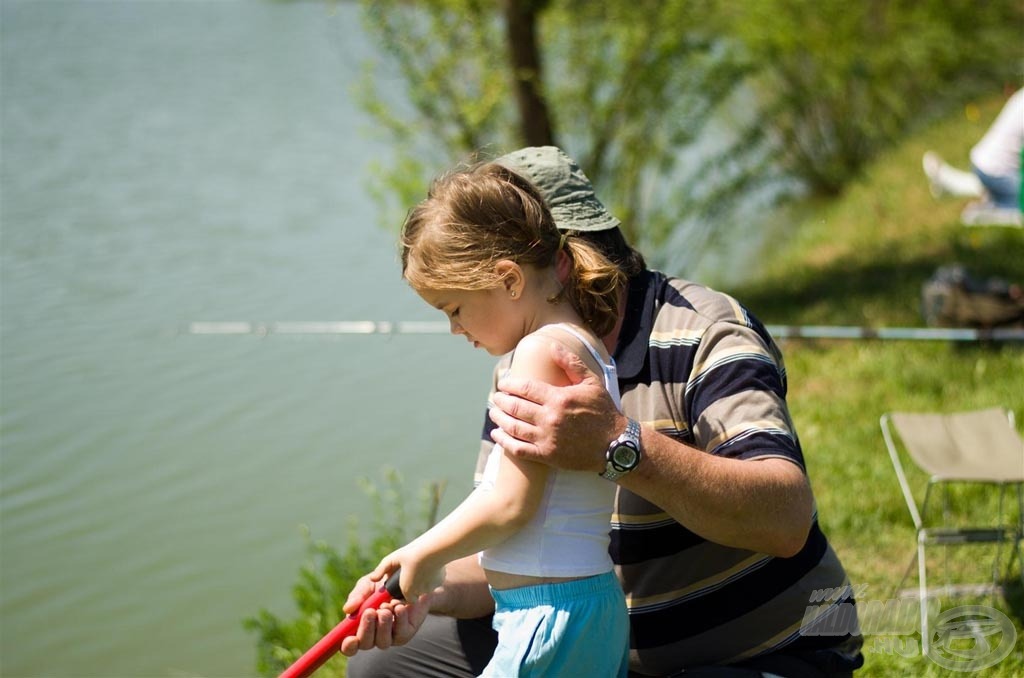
[[565, 426]]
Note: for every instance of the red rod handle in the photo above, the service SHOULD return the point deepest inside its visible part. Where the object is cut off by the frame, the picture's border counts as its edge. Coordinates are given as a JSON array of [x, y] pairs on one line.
[[327, 646]]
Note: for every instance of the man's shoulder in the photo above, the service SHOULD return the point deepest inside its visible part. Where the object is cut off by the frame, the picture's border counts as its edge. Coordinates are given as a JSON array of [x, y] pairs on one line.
[[695, 305], [695, 315]]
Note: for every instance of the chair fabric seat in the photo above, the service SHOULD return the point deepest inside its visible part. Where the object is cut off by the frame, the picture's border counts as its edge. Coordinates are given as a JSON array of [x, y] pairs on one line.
[[968, 446]]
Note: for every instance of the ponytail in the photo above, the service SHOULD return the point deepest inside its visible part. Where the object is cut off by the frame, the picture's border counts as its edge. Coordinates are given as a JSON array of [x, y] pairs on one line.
[[594, 286]]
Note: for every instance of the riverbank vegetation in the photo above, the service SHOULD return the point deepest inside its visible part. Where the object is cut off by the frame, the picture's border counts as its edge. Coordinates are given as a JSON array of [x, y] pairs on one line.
[[857, 258]]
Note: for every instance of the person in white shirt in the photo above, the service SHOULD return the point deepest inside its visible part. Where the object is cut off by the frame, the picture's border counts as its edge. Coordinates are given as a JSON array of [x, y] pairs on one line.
[[995, 177]]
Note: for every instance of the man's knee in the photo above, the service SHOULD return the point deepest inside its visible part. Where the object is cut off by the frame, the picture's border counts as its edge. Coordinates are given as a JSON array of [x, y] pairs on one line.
[[369, 664], [442, 648]]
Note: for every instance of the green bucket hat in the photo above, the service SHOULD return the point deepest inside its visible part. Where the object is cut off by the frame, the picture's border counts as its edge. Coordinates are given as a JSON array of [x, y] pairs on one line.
[[565, 188]]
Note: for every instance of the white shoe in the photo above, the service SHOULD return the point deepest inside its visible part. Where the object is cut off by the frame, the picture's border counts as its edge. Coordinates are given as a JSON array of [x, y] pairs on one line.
[[944, 179], [984, 213], [932, 164]]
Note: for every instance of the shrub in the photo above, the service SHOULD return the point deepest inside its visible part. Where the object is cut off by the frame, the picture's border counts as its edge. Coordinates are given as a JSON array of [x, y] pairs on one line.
[[328, 575]]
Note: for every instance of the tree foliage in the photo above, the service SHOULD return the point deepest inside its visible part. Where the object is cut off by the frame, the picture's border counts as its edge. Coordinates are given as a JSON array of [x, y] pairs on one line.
[[839, 81], [677, 108], [451, 103], [626, 84]]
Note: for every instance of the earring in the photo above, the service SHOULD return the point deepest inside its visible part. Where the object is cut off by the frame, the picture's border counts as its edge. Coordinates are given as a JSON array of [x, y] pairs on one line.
[[513, 293]]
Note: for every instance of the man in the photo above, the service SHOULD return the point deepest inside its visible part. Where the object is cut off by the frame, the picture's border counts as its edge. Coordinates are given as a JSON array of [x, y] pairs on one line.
[[714, 535]]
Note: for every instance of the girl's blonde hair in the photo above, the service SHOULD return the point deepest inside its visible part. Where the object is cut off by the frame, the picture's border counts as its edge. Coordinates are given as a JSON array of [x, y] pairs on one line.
[[474, 218]]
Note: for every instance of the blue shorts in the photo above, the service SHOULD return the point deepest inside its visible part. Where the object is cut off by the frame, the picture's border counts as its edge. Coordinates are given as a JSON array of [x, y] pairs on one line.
[[574, 628], [1003, 191]]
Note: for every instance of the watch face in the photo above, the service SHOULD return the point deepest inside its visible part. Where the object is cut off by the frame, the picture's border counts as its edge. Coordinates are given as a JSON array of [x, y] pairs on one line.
[[624, 457]]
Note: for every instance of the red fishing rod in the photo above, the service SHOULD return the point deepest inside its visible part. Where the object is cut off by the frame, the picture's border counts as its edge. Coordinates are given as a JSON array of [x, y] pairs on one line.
[[327, 646]]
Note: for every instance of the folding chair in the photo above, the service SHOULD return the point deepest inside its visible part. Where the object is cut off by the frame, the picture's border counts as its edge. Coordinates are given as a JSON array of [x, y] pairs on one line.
[[981, 446]]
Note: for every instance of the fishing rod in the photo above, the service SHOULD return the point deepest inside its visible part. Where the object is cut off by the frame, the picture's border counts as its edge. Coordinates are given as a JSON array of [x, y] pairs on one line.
[[343, 327], [320, 327], [330, 644], [896, 333]]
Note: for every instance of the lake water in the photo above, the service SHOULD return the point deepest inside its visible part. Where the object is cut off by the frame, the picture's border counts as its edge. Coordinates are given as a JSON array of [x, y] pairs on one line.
[[169, 162]]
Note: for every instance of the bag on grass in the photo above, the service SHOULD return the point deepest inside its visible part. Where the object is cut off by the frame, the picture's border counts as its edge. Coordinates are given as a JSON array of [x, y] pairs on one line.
[[952, 297]]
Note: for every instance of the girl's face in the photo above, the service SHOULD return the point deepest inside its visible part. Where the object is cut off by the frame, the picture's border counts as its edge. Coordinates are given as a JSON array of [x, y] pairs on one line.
[[490, 319]]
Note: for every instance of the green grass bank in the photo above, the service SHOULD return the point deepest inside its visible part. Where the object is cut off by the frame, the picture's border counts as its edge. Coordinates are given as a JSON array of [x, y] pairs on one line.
[[861, 260]]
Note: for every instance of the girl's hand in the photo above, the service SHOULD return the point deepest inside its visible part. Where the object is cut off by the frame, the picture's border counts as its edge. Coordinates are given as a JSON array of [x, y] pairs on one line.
[[418, 577], [397, 621]]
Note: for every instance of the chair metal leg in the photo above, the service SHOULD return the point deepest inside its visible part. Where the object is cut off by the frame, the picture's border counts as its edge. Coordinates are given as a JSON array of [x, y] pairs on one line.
[[1020, 560], [999, 546], [1018, 534], [923, 584], [1020, 531], [906, 573]]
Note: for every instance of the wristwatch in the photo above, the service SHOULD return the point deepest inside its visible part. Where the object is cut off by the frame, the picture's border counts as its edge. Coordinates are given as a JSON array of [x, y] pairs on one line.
[[623, 453]]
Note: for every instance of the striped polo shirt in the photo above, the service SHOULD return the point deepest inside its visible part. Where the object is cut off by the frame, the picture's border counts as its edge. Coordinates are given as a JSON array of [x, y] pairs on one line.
[[694, 365]]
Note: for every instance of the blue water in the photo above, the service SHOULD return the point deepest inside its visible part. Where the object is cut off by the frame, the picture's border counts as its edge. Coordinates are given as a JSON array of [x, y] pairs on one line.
[[165, 163]]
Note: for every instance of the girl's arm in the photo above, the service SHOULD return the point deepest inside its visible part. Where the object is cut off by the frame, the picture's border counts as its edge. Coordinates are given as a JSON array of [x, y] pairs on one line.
[[485, 518]]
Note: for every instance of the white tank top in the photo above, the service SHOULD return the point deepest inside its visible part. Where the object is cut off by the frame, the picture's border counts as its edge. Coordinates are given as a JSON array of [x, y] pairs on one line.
[[568, 534]]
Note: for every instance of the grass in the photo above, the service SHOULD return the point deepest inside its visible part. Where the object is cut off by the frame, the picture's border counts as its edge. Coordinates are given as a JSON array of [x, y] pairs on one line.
[[861, 260]]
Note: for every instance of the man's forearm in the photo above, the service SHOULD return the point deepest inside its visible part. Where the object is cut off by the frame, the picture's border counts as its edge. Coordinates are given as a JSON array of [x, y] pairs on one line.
[[465, 594], [761, 505]]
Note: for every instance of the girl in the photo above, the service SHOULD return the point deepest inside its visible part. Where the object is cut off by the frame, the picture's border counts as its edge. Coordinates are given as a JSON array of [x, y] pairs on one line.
[[483, 248]]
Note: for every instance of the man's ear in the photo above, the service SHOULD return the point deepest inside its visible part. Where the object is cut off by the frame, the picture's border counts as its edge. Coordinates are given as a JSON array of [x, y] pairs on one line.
[[512, 278]]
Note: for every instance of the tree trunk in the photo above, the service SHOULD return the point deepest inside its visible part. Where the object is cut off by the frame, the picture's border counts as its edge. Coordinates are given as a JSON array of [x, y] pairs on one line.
[[521, 26]]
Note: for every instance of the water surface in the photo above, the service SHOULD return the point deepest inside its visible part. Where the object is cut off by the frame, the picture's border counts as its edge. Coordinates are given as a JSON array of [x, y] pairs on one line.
[[170, 162]]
